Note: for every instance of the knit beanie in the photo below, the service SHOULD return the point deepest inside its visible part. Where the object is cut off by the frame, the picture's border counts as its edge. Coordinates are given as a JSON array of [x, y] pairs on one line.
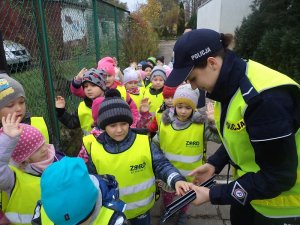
[[113, 110], [168, 92], [185, 94], [108, 65], [67, 192], [96, 77], [130, 75], [152, 60], [29, 142], [10, 89], [158, 71], [145, 66]]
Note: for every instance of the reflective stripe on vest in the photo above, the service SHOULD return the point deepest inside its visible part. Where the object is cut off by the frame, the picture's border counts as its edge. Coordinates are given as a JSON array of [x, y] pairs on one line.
[[23, 198], [123, 92], [155, 100], [40, 124], [235, 138], [133, 171], [85, 118], [184, 148], [104, 217]]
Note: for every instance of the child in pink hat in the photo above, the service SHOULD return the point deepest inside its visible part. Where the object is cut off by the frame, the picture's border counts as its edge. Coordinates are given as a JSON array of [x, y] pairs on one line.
[[24, 148], [107, 64]]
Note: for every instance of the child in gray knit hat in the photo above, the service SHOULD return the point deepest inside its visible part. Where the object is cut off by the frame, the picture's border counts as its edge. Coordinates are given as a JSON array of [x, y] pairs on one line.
[[12, 99], [132, 159], [154, 92]]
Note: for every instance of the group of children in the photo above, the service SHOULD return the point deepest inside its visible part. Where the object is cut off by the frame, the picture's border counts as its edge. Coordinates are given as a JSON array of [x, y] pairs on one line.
[[138, 135]]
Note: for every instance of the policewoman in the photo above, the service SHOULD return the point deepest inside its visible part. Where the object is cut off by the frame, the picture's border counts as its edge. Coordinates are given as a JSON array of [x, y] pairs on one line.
[[257, 114]]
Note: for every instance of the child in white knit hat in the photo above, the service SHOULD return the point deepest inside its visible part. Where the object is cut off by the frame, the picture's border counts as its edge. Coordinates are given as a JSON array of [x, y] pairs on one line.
[[182, 135]]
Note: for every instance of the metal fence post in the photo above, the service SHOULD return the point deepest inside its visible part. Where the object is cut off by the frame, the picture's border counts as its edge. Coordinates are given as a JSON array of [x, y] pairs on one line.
[[96, 30], [46, 67], [3, 63], [116, 32]]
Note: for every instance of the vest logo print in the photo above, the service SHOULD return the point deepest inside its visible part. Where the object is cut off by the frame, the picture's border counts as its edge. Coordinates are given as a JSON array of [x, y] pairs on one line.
[[236, 126], [192, 144], [138, 168]]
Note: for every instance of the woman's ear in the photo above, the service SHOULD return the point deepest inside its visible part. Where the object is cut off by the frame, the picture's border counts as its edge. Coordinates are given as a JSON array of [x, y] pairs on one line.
[[214, 63]]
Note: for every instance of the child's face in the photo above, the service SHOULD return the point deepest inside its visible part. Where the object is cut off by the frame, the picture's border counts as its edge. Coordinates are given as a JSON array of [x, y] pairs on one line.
[[169, 102], [131, 85], [92, 91], [183, 111], [109, 80], [117, 131], [40, 155], [157, 82], [17, 106], [148, 71]]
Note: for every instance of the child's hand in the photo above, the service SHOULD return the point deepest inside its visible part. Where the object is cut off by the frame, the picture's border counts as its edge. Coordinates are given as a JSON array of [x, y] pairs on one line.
[[210, 111], [145, 105], [60, 102], [79, 76], [11, 125], [182, 187]]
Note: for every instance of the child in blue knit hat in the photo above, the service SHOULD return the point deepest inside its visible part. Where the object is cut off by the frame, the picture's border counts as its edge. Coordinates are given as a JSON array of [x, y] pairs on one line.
[[69, 195]]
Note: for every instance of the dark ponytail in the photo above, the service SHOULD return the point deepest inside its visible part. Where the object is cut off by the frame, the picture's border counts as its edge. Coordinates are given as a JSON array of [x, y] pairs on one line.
[[227, 40]]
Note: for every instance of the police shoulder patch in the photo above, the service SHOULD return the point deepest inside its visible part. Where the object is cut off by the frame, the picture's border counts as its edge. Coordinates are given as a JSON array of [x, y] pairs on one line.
[[239, 193]]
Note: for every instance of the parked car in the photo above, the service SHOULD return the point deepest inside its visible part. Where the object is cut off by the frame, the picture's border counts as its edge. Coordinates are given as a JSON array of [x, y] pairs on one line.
[[17, 56]]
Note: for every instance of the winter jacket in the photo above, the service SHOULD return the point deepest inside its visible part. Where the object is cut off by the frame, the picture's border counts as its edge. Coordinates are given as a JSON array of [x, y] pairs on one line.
[[71, 120], [163, 169], [272, 114], [77, 90]]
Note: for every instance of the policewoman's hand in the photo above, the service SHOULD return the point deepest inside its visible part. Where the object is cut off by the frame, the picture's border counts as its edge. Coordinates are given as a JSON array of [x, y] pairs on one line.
[[202, 194], [202, 173]]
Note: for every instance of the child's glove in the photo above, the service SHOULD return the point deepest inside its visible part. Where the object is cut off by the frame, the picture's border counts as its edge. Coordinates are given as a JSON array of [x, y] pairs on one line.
[[110, 192]]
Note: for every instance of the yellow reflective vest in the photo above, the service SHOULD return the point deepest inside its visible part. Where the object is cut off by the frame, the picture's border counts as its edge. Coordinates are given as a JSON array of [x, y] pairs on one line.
[[138, 98], [22, 201], [184, 148], [235, 138], [155, 100], [133, 171], [105, 217], [40, 124], [85, 118], [123, 92]]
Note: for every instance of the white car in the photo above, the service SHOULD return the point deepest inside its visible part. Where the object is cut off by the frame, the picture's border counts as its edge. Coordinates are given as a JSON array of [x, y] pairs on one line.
[[17, 56]]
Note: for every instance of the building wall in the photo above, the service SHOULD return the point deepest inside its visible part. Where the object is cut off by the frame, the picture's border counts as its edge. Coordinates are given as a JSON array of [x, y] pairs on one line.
[[208, 15], [223, 15]]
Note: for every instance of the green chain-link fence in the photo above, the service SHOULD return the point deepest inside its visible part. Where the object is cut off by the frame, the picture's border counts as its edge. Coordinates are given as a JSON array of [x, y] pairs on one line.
[[47, 42]]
